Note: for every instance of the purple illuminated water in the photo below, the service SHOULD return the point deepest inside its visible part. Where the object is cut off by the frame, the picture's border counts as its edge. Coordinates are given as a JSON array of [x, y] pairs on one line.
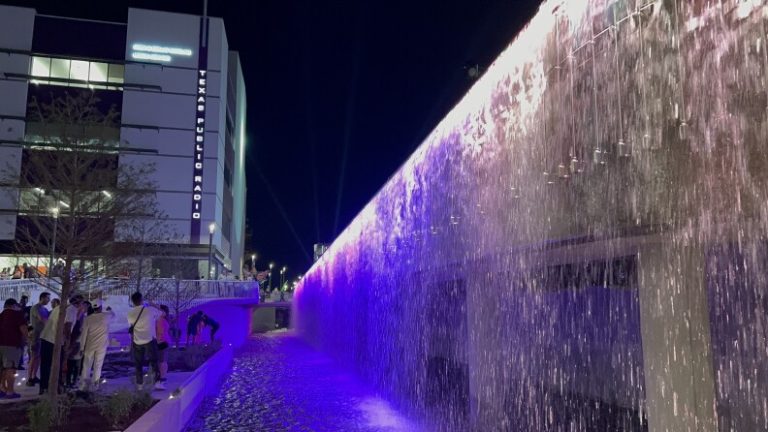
[[582, 243], [279, 384]]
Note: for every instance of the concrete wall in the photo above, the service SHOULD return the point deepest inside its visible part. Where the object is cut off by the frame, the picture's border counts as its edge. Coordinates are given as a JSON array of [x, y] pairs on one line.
[[16, 28], [173, 414]]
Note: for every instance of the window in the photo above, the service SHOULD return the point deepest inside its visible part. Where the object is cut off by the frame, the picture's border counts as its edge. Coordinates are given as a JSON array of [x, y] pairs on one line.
[[76, 73], [41, 67], [98, 72], [79, 70], [116, 73], [60, 68]]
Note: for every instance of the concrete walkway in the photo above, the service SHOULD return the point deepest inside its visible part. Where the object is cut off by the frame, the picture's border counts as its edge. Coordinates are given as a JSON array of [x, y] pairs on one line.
[[175, 379]]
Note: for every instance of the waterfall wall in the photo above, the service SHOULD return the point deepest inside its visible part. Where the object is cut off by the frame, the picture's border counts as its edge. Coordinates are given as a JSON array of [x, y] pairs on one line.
[[581, 243]]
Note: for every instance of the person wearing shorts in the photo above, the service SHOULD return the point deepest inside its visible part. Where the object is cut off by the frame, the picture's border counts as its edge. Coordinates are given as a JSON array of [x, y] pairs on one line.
[[13, 331], [38, 316], [193, 326], [213, 324]]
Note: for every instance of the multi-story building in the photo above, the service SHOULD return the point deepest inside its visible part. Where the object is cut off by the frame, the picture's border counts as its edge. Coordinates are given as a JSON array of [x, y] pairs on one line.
[[180, 94]]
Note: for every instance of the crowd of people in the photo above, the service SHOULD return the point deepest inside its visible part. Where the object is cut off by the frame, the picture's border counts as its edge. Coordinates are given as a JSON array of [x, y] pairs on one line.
[[26, 271], [85, 342], [33, 329]]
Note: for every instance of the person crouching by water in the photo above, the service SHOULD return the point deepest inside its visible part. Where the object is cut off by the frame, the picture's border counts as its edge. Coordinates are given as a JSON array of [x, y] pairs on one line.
[[213, 324], [194, 326]]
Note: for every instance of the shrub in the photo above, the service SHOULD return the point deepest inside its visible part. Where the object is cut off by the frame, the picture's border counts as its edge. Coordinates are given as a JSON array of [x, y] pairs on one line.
[[194, 356], [44, 415], [143, 400], [117, 407], [64, 405], [41, 416]]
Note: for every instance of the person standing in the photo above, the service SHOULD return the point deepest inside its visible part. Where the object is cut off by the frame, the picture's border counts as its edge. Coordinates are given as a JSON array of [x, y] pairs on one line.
[[25, 311], [163, 342], [94, 340], [74, 354], [13, 330], [38, 316], [48, 338], [142, 320]]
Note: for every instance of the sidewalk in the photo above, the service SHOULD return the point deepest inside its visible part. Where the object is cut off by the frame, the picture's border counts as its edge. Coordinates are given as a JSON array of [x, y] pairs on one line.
[[175, 379]]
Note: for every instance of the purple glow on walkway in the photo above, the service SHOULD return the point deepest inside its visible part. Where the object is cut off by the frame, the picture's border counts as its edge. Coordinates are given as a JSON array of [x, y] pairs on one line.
[[570, 246], [278, 384]]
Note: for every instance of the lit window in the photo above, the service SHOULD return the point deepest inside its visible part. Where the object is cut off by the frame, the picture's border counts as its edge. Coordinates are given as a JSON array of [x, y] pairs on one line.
[[76, 73], [60, 68], [98, 72], [116, 73], [41, 66], [79, 70]]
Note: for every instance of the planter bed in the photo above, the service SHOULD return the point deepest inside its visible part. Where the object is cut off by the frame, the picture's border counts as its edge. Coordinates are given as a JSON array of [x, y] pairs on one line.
[[85, 414]]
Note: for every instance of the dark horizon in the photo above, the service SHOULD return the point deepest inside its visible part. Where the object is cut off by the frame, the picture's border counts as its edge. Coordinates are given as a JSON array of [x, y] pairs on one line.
[[339, 96]]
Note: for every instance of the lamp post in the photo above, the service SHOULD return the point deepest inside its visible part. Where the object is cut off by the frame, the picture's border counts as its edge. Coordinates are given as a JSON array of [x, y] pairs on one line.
[[271, 265], [253, 263], [55, 211], [211, 230], [282, 278]]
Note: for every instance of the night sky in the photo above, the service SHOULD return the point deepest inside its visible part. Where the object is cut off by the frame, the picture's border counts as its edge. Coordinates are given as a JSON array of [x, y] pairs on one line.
[[340, 93]]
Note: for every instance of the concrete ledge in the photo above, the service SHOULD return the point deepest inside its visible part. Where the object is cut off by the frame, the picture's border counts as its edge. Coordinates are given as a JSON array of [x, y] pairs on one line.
[[172, 414]]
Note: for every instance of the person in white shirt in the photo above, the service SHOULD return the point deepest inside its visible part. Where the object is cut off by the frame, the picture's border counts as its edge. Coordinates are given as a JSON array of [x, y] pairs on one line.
[[94, 339], [142, 320], [48, 337]]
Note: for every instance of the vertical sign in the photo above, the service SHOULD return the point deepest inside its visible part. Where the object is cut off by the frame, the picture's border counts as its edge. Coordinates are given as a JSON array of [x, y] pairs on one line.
[[201, 95]]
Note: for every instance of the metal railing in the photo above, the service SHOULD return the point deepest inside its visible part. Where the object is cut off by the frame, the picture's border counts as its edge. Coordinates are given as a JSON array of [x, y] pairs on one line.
[[160, 290]]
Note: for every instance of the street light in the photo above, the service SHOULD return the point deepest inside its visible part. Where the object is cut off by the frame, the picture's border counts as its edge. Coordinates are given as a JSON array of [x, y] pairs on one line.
[[282, 278], [253, 262], [271, 265], [55, 211], [211, 230]]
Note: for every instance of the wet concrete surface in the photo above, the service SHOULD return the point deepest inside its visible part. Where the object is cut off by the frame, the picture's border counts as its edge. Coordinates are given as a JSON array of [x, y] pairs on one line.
[[278, 383]]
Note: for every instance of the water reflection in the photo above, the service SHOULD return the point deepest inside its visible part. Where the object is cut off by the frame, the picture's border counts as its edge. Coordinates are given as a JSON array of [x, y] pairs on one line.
[[279, 384]]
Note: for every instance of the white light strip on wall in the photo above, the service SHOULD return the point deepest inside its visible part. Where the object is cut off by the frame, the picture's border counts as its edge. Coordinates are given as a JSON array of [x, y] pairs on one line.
[[151, 56], [162, 49]]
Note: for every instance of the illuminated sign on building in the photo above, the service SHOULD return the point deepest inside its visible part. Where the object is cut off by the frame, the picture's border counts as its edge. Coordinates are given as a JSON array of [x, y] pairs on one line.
[[197, 177], [201, 95], [157, 52]]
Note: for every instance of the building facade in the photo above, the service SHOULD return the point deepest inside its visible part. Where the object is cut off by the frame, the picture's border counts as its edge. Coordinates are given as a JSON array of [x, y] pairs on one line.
[[180, 96]]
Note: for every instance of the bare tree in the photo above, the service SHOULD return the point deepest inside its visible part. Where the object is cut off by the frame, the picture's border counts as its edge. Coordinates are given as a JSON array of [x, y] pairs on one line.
[[75, 197], [182, 297]]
